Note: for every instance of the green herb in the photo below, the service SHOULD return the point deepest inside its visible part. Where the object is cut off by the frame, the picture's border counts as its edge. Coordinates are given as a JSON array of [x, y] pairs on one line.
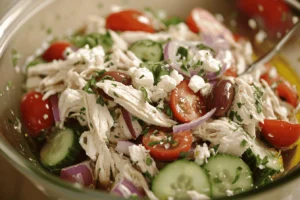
[[265, 160], [168, 110], [201, 72], [258, 99], [142, 76], [183, 67], [237, 176], [145, 131], [234, 114], [149, 161], [93, 40], [216, 147], [15, 57], [100, 5], [10, 121], [153, 143], [172, 21], [182, 53], [217, 180], [204, 47], [148, 175], [183, 155], [145, 94], [91, 125], [116, 136], [243, 143], [36, 61], [113, 84], [239, 104], [115, 94], [100, 101], [237, 190], [158, 69], [49, 31]]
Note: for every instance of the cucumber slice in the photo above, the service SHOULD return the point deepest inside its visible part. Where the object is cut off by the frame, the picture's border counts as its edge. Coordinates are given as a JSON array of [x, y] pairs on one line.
[[228, 174], [263, 161], [177, 178], [147, 50], [61, 150]]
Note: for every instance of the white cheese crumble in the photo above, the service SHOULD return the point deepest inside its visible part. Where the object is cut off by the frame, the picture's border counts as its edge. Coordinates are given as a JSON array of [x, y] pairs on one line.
[[196, 83], [209, 63], [167, 83], [260, 36], [194, 195], [140, 156], [201, 154], [176, 76], [142, 77], [229, 193]]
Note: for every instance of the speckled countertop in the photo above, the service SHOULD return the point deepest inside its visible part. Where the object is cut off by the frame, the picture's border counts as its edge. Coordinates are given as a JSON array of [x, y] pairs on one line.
[[13, 185]]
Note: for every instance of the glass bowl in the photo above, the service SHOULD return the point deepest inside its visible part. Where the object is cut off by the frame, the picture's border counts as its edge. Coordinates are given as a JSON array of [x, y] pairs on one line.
[[26, 25]]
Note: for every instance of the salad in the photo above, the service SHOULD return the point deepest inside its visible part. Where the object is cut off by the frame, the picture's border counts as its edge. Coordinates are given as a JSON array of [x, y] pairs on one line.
[[137, 105]]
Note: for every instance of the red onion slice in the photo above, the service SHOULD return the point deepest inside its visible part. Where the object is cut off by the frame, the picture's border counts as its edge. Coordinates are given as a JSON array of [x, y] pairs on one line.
[[122, 147], [126, 188], [54, 105], [194, 123], [128, 120], [80, 173], [170, 52]]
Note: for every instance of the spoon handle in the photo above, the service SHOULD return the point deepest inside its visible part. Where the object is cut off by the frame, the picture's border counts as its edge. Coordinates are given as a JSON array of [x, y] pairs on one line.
[[294, 3], [269, 55]]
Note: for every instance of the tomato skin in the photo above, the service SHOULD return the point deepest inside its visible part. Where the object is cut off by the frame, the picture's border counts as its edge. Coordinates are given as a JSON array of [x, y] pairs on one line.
[[274, 14], [36, 113], [185, 104], [286, 91], [280, 134], [129, 20], [192, 24], [159, 152], [232, 71], [55, 51]]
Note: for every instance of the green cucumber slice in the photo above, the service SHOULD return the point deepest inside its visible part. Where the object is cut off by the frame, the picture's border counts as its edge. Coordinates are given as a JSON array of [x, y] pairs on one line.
[[147, 50], [263, 161], [228, 175], [61, 150], [177, 178]]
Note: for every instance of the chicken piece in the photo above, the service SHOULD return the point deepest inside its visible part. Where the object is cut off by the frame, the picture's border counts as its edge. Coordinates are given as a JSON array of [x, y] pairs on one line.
[[133, 101], [246, 107], [140, 156], [231, 137], [127, 171], [98, 117], [69, 101], [122, 60]]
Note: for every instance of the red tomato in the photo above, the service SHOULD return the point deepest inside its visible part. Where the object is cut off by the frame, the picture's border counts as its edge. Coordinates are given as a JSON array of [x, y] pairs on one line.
[[117, 76], [280, 134], [283, 88], [200, 20], [55, 51], [129, 20], [36, 113], [287, 92], [157, 141], [275, 15], [232, 71], [185, 104]]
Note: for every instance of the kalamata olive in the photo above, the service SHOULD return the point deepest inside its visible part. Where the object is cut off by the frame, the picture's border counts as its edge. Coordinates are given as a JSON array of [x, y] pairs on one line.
[[221, 97]]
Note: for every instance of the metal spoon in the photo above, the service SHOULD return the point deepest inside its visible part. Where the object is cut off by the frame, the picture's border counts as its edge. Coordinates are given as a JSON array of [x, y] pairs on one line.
[[268, 56]]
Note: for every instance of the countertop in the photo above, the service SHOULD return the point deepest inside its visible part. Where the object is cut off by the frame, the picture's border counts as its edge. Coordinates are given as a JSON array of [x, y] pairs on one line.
[[13, 185]]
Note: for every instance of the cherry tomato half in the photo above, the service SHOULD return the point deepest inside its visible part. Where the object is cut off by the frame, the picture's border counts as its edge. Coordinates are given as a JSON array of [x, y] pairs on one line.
[[232, 71], [185, 104], [167, 146], [55, 51], [129, 20], [275, 15], [36, 113], [117, 76], [280, 134]]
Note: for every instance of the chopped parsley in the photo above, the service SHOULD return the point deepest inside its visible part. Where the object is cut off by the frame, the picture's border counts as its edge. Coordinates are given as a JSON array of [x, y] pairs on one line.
[[93, 40], [100, 101], [243, 143], [153, 143], [204, 47], [115, 94], [158, 69], [15, 57], [148, 176], [145, 94], [217, 180], [239, 104], [168, 110], [183, 67], [172, 21], [183, 155], [149, 161], [36, 61], [258, 94], [90, 85], [234, 114], [182, 53], [49, 31], [142, 76], [201, 72], [237, 176], [145, 131]]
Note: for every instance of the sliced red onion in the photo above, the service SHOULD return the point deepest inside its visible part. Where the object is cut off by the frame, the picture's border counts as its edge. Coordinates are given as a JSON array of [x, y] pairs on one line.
[[194, 123], [80, 173], [128, 120], [126, 188], [122, 147], [54, 105], [170, 52]]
